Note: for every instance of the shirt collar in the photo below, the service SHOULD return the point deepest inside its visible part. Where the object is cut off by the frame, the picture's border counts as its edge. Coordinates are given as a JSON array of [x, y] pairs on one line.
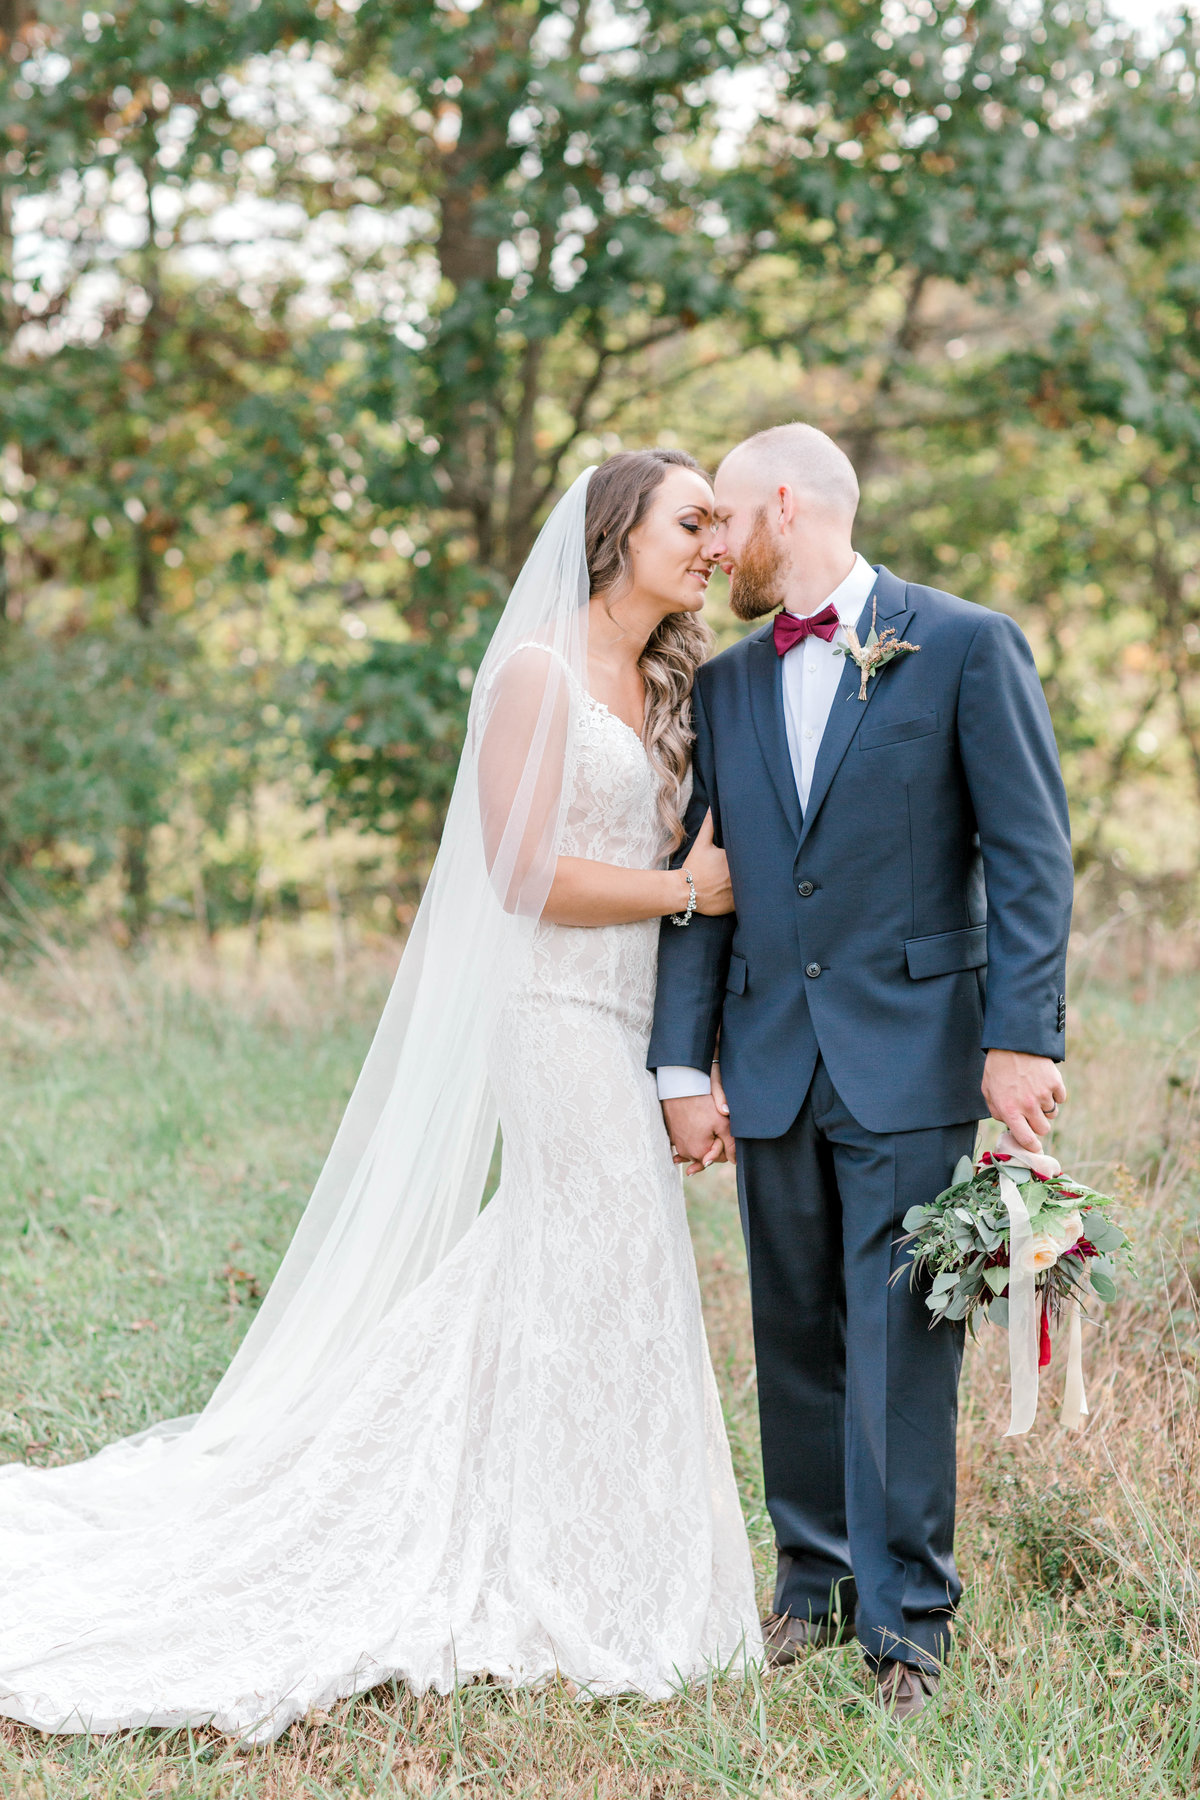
[[850, 596]]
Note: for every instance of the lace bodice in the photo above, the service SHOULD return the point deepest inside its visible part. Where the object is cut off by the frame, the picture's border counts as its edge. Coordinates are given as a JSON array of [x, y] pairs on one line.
[[612, 814]]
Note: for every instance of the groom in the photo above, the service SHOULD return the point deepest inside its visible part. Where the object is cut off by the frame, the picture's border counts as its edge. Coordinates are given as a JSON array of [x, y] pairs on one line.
[[899, 851]]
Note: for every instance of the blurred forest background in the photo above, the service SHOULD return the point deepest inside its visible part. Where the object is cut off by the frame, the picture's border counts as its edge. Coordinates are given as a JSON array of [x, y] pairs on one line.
[[312, 307]]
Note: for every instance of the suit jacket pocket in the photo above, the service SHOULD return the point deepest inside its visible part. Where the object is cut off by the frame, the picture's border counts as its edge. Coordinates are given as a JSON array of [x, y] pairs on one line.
[[735, 981], [897, 731], [947, 952]]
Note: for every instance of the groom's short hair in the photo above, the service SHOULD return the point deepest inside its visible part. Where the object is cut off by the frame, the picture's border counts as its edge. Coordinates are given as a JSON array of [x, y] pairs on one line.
[[805, 459]]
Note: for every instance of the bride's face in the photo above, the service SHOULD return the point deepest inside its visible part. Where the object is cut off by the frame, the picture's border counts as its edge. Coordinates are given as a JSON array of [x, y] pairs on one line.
[[669, 548]]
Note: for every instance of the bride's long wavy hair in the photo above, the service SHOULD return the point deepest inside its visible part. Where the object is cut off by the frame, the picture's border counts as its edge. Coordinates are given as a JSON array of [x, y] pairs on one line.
[[617, 497]]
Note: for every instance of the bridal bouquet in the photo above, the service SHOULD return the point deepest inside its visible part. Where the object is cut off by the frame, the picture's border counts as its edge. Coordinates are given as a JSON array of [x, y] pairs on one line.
[[1014, 1240]]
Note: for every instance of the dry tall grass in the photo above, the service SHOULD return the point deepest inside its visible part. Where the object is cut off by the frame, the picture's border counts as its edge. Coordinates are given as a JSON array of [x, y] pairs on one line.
[[1079, 1641]]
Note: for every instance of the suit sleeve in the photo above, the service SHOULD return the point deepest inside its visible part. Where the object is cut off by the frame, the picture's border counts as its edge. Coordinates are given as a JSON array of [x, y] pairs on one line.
[[1008, 751], [693, 960]]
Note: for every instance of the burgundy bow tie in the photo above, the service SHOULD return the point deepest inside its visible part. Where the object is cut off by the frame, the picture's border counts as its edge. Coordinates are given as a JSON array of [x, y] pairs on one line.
[[790, 630]]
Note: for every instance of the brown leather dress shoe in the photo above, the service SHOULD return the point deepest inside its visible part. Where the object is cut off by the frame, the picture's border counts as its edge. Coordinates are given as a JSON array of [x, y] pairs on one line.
[[786, 1638], [902, 1690]]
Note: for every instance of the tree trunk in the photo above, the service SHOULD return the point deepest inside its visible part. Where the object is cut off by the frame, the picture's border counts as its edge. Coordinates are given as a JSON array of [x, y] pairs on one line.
[[474, 443], [862, 441], [146, 589], [13, 15], [1174, 618], [137, 880]]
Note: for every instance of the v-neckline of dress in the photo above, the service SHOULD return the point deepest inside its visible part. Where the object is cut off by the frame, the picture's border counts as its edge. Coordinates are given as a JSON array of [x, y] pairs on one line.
[[601, 706]]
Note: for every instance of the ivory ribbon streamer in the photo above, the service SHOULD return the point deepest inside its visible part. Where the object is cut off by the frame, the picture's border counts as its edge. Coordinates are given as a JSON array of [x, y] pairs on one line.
[[1074, 1406], [1022, 1311]]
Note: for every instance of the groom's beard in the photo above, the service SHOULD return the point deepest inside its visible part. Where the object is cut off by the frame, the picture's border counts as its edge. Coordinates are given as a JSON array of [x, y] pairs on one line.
[[756, 585]]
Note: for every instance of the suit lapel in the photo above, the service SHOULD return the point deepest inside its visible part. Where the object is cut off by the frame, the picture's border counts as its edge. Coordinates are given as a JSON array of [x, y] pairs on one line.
[[765, 674], [846, 713]]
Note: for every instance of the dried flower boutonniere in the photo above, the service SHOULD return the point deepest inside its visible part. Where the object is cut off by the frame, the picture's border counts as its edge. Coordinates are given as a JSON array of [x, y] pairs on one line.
[[879, 649]]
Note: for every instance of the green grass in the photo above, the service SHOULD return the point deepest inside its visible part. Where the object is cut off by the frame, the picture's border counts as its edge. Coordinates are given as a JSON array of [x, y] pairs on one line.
[[161, 1126]]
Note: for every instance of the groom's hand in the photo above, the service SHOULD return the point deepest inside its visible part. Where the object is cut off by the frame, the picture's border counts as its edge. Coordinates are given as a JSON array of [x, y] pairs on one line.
[[1023, 1092], [699, 1130]]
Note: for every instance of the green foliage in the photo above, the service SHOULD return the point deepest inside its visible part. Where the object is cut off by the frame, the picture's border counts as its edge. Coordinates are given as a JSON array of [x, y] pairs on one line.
[[110, 734], [388, 732], [1053, 1531], [94, 730], [313, 307]]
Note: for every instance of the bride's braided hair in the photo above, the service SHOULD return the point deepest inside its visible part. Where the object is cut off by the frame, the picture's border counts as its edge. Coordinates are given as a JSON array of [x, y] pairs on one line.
[[617, 497]]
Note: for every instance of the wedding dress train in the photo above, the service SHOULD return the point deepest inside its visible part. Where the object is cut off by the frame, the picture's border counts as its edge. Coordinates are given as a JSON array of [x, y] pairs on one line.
[[522, 1470]]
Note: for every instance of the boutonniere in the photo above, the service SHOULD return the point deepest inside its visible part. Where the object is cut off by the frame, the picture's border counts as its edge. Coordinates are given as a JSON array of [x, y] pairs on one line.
[[880, 648]]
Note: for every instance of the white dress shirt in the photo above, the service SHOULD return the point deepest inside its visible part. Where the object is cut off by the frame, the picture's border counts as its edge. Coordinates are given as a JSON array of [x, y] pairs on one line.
[[811, 673]]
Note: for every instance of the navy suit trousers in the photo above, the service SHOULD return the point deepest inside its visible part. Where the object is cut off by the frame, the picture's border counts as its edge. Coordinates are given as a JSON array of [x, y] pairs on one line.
[[857, 1395]]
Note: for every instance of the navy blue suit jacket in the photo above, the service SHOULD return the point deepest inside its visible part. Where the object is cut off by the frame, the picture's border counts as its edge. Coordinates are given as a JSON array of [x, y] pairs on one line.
[[914, 916]]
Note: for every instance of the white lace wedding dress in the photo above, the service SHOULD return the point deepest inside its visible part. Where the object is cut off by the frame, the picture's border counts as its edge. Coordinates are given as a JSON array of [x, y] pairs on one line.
[[524, 1472]]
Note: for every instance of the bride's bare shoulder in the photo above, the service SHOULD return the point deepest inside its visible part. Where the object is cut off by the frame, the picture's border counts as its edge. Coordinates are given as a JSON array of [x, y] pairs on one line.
[[531, 655], [524, 673]]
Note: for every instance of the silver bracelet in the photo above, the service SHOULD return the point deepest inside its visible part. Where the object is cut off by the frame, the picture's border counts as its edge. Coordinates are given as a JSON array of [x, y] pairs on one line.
[[685, 918]]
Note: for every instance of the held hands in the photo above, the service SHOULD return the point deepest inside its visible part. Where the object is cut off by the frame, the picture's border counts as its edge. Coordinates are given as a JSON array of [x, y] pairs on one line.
[[1023, 1092], [710, 871], [698, 1127]]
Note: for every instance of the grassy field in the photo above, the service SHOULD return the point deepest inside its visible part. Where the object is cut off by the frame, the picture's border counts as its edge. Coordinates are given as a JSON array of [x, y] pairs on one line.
[[161, 1125]]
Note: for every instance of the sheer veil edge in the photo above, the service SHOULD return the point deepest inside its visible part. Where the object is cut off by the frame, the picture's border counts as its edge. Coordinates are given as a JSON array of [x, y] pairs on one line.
[[405, 1176]]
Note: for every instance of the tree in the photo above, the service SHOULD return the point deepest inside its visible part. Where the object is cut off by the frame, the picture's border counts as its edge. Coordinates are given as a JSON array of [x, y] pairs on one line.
[[125, 376], [315, 308], [598, 245], [1075, 420]]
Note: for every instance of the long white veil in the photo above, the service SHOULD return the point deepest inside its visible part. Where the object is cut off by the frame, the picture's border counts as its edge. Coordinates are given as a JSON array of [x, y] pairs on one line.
[[405, 1176], [406, 1173]]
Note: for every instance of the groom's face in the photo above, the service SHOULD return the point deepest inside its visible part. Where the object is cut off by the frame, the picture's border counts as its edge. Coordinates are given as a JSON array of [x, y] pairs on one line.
[[754, 556]]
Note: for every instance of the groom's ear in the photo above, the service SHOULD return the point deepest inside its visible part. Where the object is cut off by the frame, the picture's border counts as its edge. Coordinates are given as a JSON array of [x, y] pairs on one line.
[[786, 506]]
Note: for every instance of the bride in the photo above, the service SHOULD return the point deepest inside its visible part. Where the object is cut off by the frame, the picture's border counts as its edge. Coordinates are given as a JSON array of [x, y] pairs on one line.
[[458, 1443]]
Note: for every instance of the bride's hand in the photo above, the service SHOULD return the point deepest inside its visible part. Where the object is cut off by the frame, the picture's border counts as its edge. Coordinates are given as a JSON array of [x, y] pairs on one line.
[[709, 870]]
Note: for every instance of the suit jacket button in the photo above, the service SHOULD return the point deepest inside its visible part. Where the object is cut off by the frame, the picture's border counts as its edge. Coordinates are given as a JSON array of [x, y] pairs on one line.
[[805, 888], [813, 969]]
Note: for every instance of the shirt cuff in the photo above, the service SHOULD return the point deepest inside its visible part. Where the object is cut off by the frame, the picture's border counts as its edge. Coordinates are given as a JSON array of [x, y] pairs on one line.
[[676, 1083]]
